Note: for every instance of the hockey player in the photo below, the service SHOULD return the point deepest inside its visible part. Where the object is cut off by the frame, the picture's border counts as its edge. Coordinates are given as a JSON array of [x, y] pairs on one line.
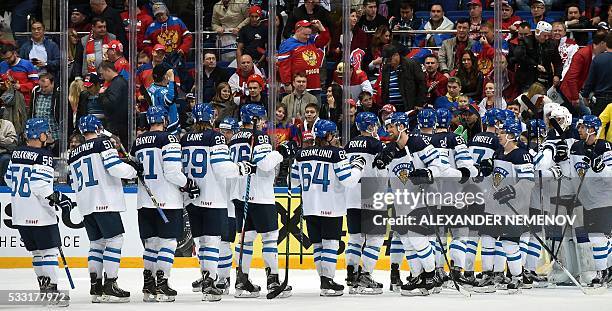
[[250, 144], [162, 93], [96, 172], [325, 173], [157, 155], [359, 280], [30, 176], [412, 159], [206, 159], [591, 165]]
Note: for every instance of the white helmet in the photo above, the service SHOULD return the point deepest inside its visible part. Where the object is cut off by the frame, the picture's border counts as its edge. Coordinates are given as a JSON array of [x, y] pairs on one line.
[[548, 108], [561, 113]]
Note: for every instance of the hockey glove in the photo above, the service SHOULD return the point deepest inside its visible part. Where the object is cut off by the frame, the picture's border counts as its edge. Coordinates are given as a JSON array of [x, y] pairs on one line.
[[561, 152], [465, 174], [486, 167], [287, 149], [137, 166], [60, 200], [597, 164], [556, 172], [505, 194], [246, 168], [359, 162], [191, 188], [385, 156], [421, 176]]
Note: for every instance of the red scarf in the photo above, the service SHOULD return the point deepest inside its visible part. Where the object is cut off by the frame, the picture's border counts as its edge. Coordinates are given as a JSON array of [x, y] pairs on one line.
[[90, 51]]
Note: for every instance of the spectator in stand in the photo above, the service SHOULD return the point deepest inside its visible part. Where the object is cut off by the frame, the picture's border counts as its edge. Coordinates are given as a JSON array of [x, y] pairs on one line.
[[522, 58], [114, 100], [253, 38], [509, 20], [77, 106], [114, 53], [475, 7], [303, 52], [79, 18], [358, 38], [599, 81], [437, 21], [41, 51], [359, 79], [228, 17], [284, 129], [449, 101], [143, 20], [471, 78], [144, 76], [372, 60], [311, 116], [509, 88], [45, 104], [567, 46], [114, 23], [311, 10], [332, 108], [18, 73], [549, 66], [8, 143], [256, 85], [371, 20], [238, 81], [406, 21], [574, 19], [452, 49], [365, 103], [89, 98], [484, 49], [92, 45], [538, 10], [224, 103], [490, 101], [169, 31], [435, 80], [401, 82], [75, 55], [297, 100], [213, 76]]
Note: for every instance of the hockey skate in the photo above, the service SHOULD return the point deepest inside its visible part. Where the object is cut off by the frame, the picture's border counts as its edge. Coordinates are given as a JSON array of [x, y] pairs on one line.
[[396, 280], [515, 284], [209, 291], [500, 280], [351, 279], [96, 289], [367, 286], [527, 280], [459, 278], [112, 293], [224, 285], [609, 281], [196, 286], [470, 278], [149, 287], [486, 284], [164, 292], [410, 288], [244, 287], [600, 279], [273, 284], [56, 298], [329, 288], [442, 276]]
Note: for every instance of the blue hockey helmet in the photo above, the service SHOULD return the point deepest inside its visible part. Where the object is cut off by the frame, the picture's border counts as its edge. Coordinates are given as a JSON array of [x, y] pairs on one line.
[[512, 126], [203, 112], [490, 117], [591, 121], [35, 127], [398, 118], [536, 126], [323, 127], [426, 118], [363, 120], [250, 111], [229, 123], [443, 117], [89, 123], [156, 114]]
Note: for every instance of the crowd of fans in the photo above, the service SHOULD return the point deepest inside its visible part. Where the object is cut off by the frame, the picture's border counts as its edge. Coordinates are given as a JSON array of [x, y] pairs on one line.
[[390, 69]]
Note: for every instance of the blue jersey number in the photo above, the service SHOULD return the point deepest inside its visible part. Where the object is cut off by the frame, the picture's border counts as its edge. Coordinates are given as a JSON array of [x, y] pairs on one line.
[[91, 181], [198, 160], [150, 169], [23, 186], [319, 177], [480, 153], [240, 153]]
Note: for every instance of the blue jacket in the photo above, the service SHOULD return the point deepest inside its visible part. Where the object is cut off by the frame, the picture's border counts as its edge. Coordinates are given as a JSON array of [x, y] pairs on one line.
[[53, 53]]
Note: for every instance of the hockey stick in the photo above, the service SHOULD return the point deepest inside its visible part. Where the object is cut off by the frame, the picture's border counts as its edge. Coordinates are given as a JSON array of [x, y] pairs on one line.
[[66, 267], [458, 287], [273, 294], [553, 122], [574, 201]]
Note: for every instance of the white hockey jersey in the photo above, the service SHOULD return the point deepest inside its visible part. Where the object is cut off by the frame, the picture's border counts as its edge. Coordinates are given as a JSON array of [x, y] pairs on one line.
[[160, 155], [324, 173], [595, 191], [482, 147], [30, 177], [516, 169], [367, 147], [96, 172], [206, 160]]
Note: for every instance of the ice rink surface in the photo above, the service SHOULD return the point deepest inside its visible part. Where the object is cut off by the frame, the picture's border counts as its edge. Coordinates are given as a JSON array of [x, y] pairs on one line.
[[306, 295]]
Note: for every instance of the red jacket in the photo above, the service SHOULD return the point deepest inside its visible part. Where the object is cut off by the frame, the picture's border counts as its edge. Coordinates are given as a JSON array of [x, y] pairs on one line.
[[438, 90], [295, 56], [577, 73], [143, 22]]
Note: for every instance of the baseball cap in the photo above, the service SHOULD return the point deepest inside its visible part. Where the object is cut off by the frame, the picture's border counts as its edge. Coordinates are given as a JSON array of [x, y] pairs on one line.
[[79, 9], [351, 102], [538, 1], [255, 10], [256, 78], [159, 47], [504, 2], [543, 27], [475, 2], [159, 7], [91, 79], [302, 23], [115, 45], [388, 108]]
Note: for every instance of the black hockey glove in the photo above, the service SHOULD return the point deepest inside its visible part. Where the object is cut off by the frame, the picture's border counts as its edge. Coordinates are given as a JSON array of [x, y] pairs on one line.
[[358, 162], [287, 149], [504, 194], [421, 176], [246, 168], [385, 157], [465, 174], [486, 167], [597, 164], [191, 188], [137, 166], [60, 200], [561, 152]]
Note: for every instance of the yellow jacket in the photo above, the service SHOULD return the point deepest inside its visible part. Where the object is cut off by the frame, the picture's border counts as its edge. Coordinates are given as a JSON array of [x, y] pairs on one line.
[[606, 120]]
